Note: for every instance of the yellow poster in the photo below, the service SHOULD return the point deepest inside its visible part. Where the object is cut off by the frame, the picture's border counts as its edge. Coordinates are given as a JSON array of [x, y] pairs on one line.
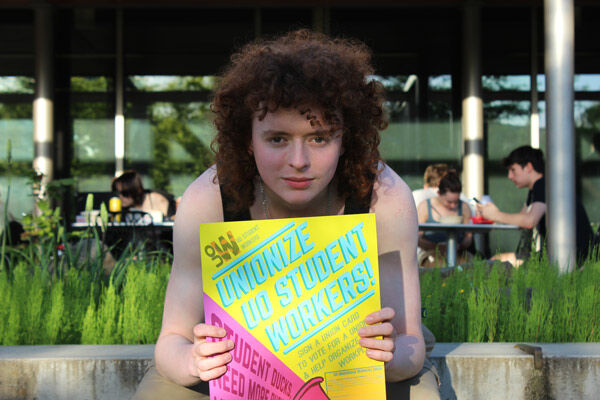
[[292, 294]]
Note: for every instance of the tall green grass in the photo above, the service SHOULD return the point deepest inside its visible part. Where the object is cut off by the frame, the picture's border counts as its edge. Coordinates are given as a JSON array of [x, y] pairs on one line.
[[533, 303], [482, 304], [37, 307]]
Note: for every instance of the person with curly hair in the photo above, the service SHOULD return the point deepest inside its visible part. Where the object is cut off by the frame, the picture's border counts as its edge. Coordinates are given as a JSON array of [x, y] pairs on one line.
[[298, 120]]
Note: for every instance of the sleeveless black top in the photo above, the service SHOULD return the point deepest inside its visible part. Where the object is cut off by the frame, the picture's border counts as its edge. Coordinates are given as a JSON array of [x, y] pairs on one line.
[[352, 206]]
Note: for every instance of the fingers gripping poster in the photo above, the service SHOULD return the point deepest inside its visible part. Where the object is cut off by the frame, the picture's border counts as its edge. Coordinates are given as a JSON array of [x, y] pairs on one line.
[[292, 294]]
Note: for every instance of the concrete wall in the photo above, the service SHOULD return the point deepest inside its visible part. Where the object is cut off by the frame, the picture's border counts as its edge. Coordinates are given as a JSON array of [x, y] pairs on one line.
[[500, 371], [467, 371], [72, 372]]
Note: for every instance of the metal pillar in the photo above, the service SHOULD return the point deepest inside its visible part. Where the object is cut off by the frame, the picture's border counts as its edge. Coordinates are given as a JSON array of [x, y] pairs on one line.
[[560, 138], [535, 116], [119, 101], [43, 109], [472, 104]]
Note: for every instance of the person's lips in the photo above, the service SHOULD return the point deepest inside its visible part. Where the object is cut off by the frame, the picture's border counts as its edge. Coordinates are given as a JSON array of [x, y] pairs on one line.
[[298, 183]]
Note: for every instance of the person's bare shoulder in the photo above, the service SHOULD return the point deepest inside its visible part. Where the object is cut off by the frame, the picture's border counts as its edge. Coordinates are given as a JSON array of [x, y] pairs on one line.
[[201, 203], [392, 193], [395, 211]]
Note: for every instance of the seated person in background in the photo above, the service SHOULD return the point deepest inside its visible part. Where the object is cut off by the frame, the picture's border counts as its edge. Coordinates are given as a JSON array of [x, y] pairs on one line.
[[133, 196], [431, 178], [525, 167], [433, 175], [445, 207]]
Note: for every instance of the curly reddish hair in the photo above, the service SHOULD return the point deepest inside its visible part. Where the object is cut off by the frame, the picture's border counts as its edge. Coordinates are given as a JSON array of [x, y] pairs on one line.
[[302, 70]]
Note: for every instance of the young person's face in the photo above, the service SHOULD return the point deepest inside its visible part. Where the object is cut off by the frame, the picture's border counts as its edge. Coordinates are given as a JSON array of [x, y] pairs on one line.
[[518, 175], [295, 160], [450, 200]]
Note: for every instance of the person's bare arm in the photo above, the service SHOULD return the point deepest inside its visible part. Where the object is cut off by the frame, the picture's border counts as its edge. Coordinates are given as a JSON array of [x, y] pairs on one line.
[[182, 354], [399, 321], [527, 218]]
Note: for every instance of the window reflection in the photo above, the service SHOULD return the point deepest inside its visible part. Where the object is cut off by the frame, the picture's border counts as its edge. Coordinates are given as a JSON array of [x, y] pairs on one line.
[[169, 129], [92, 115], [16, 133]]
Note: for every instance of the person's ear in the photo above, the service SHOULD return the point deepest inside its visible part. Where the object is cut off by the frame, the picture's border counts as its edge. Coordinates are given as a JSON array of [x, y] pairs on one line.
[[529, 167]]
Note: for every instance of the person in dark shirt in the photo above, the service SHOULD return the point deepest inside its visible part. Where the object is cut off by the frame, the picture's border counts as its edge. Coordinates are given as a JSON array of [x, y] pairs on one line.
[[526, 170], [298, 122]]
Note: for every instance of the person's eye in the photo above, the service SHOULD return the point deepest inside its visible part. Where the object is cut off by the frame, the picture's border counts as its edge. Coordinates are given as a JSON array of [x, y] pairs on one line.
[[276, 139], [319, 139]]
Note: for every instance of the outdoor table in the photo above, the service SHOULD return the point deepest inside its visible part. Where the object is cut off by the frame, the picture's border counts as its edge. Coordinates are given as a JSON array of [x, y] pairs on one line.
[[452, 233], [159, 235], [165, 225]]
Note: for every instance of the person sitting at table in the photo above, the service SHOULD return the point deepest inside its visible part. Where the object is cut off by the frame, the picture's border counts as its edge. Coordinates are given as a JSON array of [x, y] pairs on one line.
[[431, 182], [446, 207], [133, 196], [525, 166]]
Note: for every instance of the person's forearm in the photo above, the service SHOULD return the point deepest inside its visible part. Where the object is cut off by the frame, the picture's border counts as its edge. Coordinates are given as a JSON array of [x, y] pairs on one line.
[[173, 357], [409, 357], [521, 219]]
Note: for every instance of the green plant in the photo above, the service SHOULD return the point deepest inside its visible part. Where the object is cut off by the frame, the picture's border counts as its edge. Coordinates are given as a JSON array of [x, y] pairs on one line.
[[533, 303], [4, 212]]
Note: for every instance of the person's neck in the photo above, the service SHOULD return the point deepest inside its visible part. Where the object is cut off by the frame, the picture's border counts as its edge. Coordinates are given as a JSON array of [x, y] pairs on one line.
[[536, 176]]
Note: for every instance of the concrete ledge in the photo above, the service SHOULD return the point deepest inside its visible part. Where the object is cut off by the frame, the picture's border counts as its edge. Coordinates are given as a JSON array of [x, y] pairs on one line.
[[467, 371], [500, 371], [72, 371]]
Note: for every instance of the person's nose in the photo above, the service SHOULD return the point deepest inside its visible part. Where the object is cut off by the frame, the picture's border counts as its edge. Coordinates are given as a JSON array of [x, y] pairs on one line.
[[299, 156]]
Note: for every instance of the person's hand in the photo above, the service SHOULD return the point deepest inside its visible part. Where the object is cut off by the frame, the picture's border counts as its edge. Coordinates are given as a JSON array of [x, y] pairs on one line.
[[488, 211], [379, 324], [210, 359]]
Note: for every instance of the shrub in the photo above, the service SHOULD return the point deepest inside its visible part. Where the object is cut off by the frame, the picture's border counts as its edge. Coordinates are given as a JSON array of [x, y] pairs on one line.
[[533, 303], [76, 304]]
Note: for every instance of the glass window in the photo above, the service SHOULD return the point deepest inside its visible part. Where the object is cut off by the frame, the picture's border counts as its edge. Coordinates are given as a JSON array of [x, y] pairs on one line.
[[169, 129], [92, 113], [587, 127], [16, 84], [506, 82], [587, 82], [16, 127], [422, 129]]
